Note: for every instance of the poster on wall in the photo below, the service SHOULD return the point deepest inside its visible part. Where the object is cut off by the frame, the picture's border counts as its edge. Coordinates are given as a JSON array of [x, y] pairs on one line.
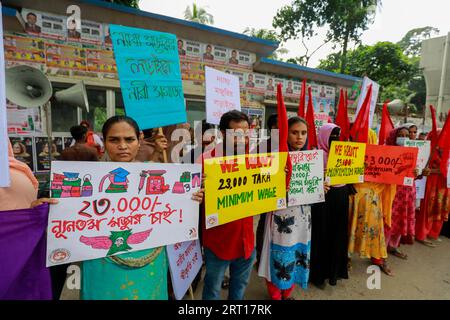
[[207, 52], [255, 116], [23, 150], [101, 61], [23, 120], [65, 56], [220, 55], [45, 24], [193, 50], [24, 49], [43, 150], [245, 59], [91, 32], [233, 57]]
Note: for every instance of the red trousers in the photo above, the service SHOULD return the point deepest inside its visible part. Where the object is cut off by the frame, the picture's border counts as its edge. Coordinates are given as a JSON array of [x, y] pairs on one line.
[[276, 293]]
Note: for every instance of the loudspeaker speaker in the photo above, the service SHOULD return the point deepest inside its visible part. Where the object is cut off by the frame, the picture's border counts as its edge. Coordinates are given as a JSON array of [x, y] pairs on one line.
[[74, 96], [27, 86]]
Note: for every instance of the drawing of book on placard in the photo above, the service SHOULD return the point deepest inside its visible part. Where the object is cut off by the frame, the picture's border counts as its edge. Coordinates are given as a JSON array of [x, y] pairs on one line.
[[118, 181], [69, 185]]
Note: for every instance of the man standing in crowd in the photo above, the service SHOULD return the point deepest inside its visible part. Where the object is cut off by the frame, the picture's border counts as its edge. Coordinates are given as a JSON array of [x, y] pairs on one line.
[[232, 244], [80, 151]]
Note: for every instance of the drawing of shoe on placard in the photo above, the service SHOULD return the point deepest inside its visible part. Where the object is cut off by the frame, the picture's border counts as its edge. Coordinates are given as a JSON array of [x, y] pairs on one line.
[[118, 181]]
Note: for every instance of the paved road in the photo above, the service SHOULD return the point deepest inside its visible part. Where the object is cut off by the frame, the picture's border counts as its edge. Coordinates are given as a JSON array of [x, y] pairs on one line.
[[425, 275]]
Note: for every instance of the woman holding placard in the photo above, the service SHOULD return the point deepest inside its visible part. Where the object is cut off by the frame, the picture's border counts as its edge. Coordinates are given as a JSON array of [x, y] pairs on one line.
[[404, 206], [435, 206], [140, 275], [370, 210], [329, 241], [287, 236]]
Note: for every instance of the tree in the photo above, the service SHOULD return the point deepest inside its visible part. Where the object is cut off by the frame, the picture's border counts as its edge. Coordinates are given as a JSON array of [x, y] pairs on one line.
[[267, 34], [346, 20], [198, 14], [128, 3], [411, 43], [383, 62]]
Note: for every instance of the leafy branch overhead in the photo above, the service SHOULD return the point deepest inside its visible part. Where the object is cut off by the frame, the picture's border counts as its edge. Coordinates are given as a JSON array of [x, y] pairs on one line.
[[198, 14], [344, 19]]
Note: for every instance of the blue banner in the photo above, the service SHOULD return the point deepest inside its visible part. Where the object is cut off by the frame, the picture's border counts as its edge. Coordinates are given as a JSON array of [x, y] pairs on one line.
[[150, 76]]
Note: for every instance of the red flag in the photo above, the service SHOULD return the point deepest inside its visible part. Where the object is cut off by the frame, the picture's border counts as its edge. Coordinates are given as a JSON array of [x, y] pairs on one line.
[[301, 106], [312, 136], [386, 125], [342, 117], [283, 131], [434, 128], [360, 128], [444, 145], [444, 137]]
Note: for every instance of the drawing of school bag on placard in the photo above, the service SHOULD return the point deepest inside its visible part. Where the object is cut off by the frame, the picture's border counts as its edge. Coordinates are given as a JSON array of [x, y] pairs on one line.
[[71, 186], [118, 181], [86, 188], [155, 182], [57, 185]]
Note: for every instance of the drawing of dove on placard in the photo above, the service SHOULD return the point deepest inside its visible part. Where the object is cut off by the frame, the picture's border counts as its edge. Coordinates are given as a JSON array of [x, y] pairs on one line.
[[118, 240]]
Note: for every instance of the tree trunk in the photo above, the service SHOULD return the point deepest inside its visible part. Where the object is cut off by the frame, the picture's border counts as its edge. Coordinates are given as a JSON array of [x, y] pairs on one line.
[[344, 53]]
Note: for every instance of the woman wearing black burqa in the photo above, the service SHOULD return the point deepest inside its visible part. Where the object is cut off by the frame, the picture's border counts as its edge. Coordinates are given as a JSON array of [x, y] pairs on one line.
[[329, 234]]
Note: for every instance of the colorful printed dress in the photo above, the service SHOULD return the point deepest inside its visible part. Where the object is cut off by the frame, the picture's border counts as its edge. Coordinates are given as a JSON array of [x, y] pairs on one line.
[[286, 249], [140, 275]]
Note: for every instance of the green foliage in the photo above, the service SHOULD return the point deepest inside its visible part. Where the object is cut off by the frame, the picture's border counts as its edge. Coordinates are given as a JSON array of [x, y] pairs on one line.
[[345, 20], [128, 3], [198, 14], [383, 62], [411, 43], [267, 34]]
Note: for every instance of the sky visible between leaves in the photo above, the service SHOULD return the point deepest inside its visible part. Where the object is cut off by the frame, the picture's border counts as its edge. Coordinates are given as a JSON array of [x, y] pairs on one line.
[[394, 19]]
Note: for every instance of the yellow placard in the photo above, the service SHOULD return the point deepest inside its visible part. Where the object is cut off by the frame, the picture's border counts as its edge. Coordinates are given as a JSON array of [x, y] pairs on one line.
[[241, 186], [345, 163]]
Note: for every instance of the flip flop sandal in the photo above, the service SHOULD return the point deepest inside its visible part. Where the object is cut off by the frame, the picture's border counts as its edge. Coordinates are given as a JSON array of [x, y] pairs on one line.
[[384, 267], [427, 243], [399, 254]]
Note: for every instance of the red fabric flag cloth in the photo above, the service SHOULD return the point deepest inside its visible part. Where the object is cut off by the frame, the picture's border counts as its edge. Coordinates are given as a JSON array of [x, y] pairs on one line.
[[301, 106], [283, 132], [434, 128], [342, 117], [444, 145], [360, 129], [312, 136], [386, 125]]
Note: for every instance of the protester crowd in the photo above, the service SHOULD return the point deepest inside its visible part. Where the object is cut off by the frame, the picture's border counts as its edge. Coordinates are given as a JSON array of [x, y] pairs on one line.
[[371, 220]]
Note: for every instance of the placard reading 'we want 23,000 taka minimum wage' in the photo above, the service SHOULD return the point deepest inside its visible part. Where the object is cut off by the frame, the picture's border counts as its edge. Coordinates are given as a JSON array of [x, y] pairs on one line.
[[243, 186]]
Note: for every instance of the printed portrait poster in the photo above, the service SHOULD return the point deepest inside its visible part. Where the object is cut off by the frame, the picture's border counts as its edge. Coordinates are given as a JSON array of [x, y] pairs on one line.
[[220, 55], [185, 262], [233, 57], [24, 49], [208, 52], [110, 208], [43, 150], [243, 186], [345, 163], [44, 24], [307, 185], [91, 32], [23, 150], [390, 164], [193, 50]]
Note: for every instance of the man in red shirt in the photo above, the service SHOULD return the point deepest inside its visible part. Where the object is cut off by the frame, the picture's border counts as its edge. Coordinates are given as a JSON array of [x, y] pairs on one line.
[[232, 244]]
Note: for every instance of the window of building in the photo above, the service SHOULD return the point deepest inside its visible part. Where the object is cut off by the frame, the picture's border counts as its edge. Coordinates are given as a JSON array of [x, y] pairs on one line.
[[97, 115]]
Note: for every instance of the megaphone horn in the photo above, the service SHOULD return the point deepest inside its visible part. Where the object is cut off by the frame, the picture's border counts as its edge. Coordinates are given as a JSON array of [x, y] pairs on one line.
[[27, 86], [75, 96]]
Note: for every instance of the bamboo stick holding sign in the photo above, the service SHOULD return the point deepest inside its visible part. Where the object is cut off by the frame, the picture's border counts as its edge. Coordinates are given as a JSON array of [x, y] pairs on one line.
[[150, 77]]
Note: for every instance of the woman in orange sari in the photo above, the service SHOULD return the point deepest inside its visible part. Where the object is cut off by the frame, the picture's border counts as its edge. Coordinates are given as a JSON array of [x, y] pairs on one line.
[[435, 207]]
